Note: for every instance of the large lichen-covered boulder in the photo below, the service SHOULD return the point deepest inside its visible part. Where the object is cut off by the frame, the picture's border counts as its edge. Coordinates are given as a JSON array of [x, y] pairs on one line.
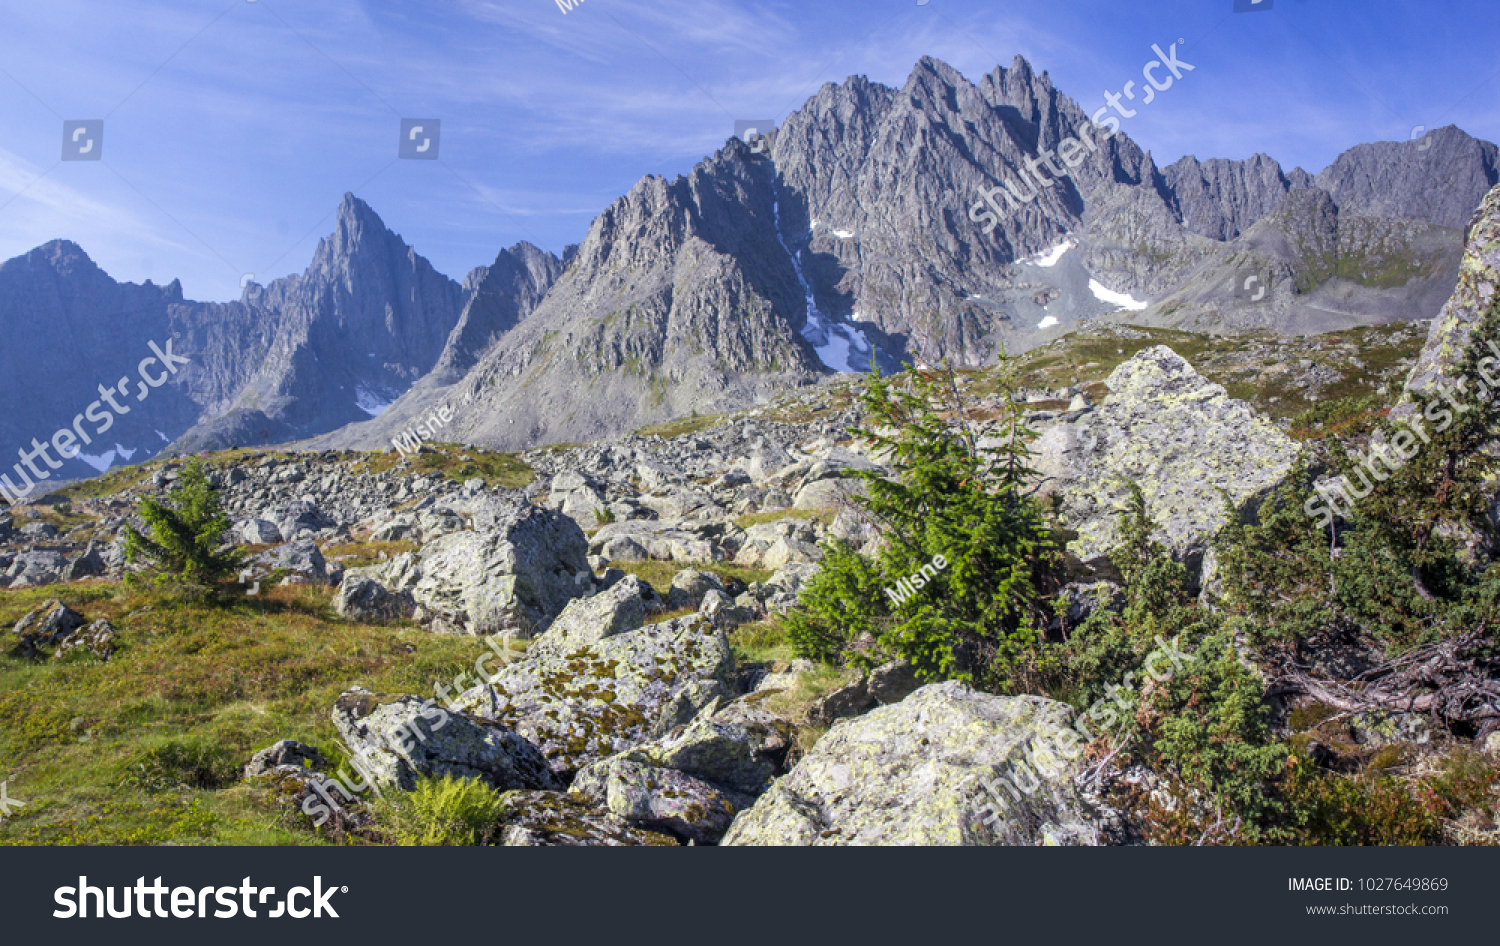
[[398, 738], [742, 747], [692, 782], [361, 597], [553, 819], [1478, 280], [515, 575], [1180, 438], [604, 698], [916, 773], [617, 609], [658, 799]]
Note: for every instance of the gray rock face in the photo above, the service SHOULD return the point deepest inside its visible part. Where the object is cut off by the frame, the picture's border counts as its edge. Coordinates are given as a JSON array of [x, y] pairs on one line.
[[99, 639], [302, 560], [689, 587], [500, 296], [285, 752], [400, 738], [516, 575], [1180, 438], [679, 299], [615, 610], [49, 624], [914, 773], [302, 515], [741, 748], [658, 799], [1220, 199], [304, 355], [553, 819], [604, 698], [88, 564], [361, 597], [260, 532], [1477, 282], [33, 569], [1440, 183], [693, 294]]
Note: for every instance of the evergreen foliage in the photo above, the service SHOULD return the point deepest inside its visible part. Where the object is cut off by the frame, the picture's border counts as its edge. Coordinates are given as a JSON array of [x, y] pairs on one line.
[[1400, 566], [185, 533], [977, 618]]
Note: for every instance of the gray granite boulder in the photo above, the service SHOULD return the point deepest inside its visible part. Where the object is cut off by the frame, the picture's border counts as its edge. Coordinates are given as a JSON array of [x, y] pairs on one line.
[[301, 561], [398, 738], [619, 608], [915, 773], [555, 819], [658, 799], [1179, 437], [690, 585], [361, 597], [302, 515], [515, 575], [259, 532], [583, 705]]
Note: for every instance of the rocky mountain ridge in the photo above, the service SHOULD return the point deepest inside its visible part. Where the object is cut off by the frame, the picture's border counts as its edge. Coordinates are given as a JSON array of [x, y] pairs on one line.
[[852, 235]]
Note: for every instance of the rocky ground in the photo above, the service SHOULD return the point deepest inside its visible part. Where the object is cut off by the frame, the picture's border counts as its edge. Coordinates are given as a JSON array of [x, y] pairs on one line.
[[628, 580]]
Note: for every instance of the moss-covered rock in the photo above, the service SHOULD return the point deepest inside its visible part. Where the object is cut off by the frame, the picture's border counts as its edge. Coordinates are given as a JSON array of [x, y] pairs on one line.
[[553, 819], [1178, 436], [609, 696], [915, 772], [1478, 280], [397, 738], [658, 799]]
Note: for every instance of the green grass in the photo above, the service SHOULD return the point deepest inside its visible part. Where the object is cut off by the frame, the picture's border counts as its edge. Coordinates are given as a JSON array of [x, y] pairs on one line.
[[825, 516], [659, 575], [681, 426], [764, 642], [457, 463], [367, 553], [146, 748]]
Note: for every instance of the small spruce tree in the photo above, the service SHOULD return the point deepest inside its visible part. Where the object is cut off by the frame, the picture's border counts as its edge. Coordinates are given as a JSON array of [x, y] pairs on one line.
[[977, 619], [185, 532]]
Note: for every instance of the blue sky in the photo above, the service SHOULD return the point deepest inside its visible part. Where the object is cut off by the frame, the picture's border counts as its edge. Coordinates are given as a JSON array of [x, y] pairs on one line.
[[233, 127]]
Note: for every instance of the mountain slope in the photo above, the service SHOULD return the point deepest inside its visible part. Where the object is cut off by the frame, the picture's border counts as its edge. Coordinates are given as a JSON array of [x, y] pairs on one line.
[[680, 298]]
